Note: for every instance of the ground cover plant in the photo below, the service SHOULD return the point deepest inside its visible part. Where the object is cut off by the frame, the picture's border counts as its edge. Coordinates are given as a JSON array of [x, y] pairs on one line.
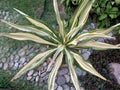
[[106, 12], [64, 43]]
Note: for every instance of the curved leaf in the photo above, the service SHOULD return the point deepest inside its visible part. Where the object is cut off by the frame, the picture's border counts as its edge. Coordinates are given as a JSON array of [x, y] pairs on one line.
[[59, 49], [52, 76], [106, 31], [30, 65], [73, 74], [31, 30], [77, 13], [97, 45], [86, 65], [89, 36], [81, 15], [35, 22], [60, 23], [25, 28], [26, 36]]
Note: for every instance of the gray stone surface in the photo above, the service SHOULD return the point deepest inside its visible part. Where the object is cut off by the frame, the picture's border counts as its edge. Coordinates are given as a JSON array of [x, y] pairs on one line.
[[80, 72], [72, 88], [66, 87], [55, 87], [63, 71], [30, 72], [5, 66], [67, 78], [22, 60], [29, 77], [37, 78], [115, 71], [15, 67], [61, 80], [59, 88]]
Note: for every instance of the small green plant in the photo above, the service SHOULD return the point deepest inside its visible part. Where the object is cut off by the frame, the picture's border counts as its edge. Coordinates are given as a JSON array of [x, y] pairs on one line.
[[64, 42], [105, 12], [70, 3]]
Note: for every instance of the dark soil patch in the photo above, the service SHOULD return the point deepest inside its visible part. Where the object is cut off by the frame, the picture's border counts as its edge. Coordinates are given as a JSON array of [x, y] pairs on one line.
[[101, 60]]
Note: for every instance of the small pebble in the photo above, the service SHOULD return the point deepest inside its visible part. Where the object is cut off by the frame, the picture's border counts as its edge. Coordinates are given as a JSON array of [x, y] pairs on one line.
[[61, 80], [22, 60], [59, 88], [72, 88], [21, 52], [67, 77], [15, 66], [66, 87], [5, 66], [37, 79], [35, 74], [63, 71], [55, 87], [30, 72], [29, 78]]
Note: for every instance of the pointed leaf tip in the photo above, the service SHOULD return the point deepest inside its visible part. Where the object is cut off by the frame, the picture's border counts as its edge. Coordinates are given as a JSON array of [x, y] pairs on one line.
[[22, 13]]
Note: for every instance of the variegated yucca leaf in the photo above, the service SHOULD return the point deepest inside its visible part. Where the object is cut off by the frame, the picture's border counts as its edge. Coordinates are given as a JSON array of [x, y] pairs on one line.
[[86, 65], [97, 45], [64, 45], [26, 36], [30, 65], [72, 70], [89, 36], [52, 76]]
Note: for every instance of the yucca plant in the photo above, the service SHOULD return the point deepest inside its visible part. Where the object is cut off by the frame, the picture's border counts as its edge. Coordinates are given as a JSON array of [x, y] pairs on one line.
[[64, 43]]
